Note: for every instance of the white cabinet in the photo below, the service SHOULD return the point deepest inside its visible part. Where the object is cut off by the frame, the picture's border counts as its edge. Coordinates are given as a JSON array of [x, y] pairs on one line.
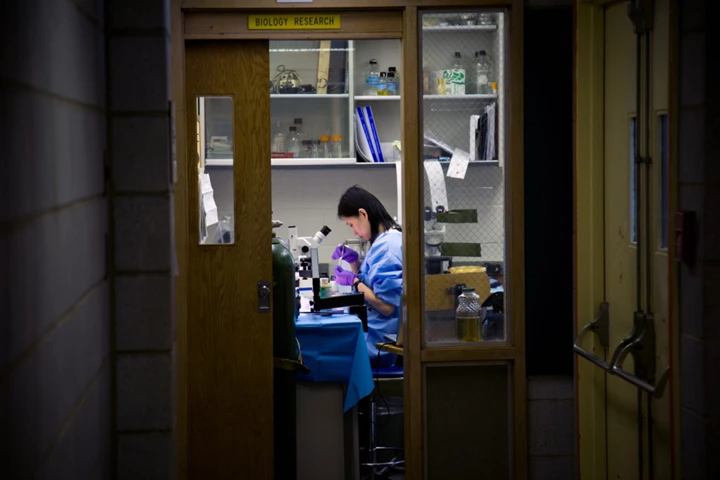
[[315, 87], [463, 62]]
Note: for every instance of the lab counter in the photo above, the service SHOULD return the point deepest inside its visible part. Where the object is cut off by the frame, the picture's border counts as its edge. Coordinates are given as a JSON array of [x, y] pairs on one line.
[[333, 347]]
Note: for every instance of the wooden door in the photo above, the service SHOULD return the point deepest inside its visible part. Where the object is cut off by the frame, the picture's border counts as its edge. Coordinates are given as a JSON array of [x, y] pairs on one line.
[[633, 434], [229, 352]]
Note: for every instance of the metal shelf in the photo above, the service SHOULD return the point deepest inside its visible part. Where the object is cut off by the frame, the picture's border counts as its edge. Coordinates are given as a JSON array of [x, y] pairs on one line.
[[371, 98], [471, 96], [304, 162], [309, 95], [458, 28]]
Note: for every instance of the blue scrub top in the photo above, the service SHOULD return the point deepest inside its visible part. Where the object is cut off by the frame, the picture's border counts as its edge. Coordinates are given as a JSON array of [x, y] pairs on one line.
[[381, 270]]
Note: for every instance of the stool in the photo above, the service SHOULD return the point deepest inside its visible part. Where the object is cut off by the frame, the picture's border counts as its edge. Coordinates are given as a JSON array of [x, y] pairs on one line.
[[388, 384]]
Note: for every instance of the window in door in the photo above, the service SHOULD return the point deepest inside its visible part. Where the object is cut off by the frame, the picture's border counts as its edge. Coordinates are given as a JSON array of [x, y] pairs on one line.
[[215, 117]]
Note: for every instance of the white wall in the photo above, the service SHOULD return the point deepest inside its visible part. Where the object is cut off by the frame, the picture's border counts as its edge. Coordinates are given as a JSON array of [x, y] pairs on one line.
[[307, 197]]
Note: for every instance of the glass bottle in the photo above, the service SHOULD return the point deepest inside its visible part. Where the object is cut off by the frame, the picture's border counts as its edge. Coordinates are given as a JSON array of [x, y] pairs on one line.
[[336, 146], [299, 128], [392, 85], [278, 142], [457, 79], [294, 142], [313, 149], [372, 77], [486, 18], [382, 84], [468, 316], [324, 147], [395, 90], [482, 72], [306, 148]]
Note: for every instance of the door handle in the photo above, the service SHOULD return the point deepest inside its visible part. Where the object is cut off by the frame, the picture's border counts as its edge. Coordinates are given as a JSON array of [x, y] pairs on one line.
[[263, 296], [641, 345], [600, 327]]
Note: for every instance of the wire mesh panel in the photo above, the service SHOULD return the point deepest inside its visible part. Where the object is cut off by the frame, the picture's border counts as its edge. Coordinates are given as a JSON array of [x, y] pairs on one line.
[[463, 62]]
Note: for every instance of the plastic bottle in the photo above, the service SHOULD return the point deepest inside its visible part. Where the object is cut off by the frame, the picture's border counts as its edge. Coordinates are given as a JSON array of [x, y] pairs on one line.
[[278, 142], [395, 88], [294, 143], [336, 146], [457, 80], [468, 316], [482, 72], [372, 77]]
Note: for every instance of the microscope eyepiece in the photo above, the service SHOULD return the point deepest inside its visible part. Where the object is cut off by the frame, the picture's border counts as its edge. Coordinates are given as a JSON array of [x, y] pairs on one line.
[[325, 230]]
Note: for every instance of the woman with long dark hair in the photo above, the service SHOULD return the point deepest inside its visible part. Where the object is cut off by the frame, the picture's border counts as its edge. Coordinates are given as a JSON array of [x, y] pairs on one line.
[[379, 277]]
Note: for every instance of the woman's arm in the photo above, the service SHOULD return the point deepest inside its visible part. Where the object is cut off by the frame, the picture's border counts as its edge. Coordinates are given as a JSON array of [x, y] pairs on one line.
[[382, 307], [355, 266]]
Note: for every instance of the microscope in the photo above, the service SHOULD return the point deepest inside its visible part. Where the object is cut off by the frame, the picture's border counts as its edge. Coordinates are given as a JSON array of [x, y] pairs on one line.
[[435, 261], [305, 250]]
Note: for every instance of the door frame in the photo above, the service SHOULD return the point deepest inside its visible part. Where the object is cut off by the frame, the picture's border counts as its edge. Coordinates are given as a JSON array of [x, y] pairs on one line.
[[185, 13], [589, 276]]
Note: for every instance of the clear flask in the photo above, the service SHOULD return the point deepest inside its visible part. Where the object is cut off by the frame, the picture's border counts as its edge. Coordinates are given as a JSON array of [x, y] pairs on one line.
[[468, 316]]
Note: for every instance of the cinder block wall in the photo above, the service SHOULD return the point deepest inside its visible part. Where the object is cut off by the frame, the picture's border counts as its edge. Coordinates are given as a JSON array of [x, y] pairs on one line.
[[138, 38], [699, 182], [86, 287], [55, 355], [552, 437]]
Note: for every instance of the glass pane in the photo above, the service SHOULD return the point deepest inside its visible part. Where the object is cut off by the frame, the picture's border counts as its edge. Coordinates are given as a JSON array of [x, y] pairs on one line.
[[664, 179], [633, 181], [215, 185], [463, 62]]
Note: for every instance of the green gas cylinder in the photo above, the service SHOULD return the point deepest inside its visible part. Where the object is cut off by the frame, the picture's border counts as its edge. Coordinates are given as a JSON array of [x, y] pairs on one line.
[[284, 396]]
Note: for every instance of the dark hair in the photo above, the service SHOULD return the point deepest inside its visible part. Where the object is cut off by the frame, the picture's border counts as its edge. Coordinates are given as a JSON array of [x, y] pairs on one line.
[[356, 198]]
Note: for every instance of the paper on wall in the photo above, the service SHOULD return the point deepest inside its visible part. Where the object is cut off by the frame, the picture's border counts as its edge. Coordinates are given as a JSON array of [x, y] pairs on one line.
[[436, 180], [209, 205], [458, 164]]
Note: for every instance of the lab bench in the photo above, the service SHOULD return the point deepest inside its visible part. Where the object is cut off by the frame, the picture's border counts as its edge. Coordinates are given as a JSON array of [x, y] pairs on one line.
[[333, 347]]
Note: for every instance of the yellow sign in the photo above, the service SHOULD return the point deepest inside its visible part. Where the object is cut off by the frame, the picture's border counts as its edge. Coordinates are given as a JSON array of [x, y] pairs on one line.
[[294, 21]]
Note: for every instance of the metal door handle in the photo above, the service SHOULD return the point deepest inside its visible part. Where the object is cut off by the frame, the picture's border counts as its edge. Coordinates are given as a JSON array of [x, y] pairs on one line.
[[641, 345], [599, 326], [656, 391], [263, 296]]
